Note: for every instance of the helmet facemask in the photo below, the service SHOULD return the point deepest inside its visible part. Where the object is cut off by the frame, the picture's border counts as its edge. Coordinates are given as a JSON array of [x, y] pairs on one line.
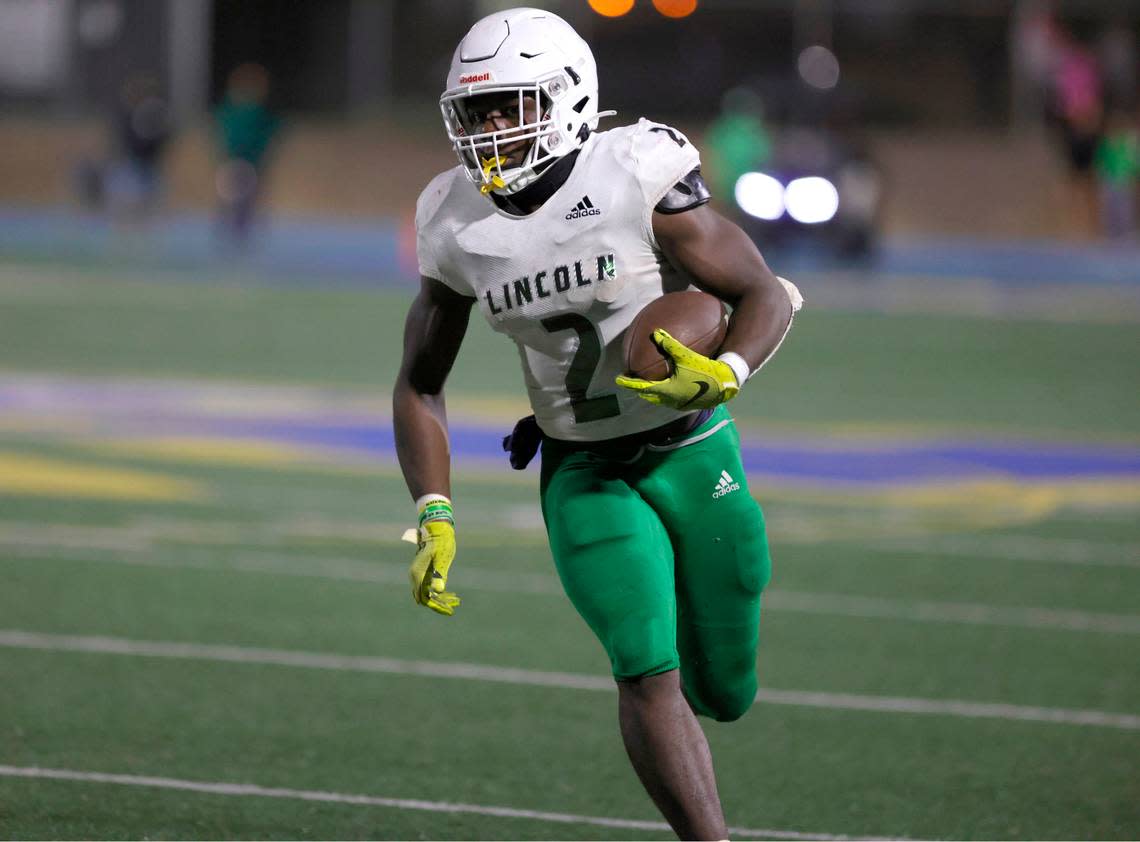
[[529, 108]]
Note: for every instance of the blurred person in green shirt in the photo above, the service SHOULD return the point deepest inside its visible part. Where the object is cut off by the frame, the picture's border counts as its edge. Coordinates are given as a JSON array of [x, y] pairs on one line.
[[1117, 165], [737, 142], [245, 130]]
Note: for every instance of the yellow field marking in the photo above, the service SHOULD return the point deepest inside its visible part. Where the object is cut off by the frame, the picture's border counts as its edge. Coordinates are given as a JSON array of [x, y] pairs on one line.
[[907, 511], [839, 435], [36, 476], [243, 453], [498, 410], [246, 452], [1033, 496], [45, 424], [1102, 494]]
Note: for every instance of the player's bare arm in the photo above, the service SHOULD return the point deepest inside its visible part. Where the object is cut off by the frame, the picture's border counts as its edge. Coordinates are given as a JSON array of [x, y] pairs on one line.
[[433, 332], [724, 262]]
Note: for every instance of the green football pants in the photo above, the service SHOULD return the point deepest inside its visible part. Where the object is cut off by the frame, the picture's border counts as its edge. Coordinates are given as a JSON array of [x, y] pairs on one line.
[[663, 552]]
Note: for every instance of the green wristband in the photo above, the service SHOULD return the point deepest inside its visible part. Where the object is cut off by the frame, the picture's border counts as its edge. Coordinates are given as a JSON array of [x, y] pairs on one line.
[[437, 510]]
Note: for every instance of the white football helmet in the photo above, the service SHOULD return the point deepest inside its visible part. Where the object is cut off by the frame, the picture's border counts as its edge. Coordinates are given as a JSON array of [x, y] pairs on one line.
[[529, 53]]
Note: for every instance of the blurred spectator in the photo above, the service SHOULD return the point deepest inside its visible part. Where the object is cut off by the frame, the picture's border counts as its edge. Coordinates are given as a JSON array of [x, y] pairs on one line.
[[1117, 164], [128, 184], [1033, 40], [1078, 104], [246, 128], [1118, 59], [737, 142]]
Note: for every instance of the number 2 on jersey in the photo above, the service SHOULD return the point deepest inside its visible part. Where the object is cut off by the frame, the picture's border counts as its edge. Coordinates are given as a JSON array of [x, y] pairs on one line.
[[582, 369]]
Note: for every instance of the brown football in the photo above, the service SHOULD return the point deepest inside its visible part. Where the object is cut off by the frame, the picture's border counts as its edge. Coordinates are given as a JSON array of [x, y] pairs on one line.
[[692, 317]]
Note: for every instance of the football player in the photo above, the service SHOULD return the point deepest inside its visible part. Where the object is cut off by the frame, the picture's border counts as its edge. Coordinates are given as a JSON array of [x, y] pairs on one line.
[[560, 234]]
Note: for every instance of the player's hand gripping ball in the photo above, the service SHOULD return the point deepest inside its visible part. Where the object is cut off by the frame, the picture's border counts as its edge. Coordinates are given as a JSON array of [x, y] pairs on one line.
[[669, 351], [435, 550]]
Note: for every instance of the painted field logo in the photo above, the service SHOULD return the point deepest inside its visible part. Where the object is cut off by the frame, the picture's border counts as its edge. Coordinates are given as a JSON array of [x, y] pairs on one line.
[[472, 78], [725, 485]]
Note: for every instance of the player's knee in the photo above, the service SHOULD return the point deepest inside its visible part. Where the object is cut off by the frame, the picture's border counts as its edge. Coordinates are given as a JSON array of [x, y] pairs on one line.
[[723, 698], [726, 704]]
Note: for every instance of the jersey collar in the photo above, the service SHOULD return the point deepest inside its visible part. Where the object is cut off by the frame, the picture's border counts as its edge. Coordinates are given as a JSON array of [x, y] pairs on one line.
[[533, 196]]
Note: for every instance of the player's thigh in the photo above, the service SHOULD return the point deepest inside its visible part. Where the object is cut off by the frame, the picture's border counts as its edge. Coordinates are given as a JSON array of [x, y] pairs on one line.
[[722, 565], [615, 562], [716, 527], [718, 625]]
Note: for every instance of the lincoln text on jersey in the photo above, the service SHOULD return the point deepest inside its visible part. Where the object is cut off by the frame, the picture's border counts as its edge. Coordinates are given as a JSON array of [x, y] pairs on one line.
[[557, 281]]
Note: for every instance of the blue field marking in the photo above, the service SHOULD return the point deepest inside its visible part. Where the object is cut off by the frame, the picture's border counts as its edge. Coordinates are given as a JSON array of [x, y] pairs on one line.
[[939, 460], [323, 422], [822, 461], [1024, 261], [285, 250], [909, 463], [367, 251], [1007, 262]]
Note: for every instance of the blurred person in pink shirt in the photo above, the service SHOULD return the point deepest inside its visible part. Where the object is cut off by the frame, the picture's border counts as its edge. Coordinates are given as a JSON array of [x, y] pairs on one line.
[[1078, 106]]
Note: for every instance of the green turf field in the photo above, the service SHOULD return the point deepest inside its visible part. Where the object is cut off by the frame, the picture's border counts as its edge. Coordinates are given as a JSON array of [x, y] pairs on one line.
[[205, 635]]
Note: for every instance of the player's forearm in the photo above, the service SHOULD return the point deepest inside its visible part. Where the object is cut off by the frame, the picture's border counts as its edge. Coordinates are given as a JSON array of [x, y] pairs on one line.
[[724, 261], [759, 321], [420, 425]]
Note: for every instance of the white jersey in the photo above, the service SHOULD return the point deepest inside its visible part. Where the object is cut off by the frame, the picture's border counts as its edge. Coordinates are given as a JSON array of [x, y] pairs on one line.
[[566, 281]]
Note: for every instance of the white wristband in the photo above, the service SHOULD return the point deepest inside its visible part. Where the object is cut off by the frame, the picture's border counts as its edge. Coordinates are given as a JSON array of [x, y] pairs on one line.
[[427, 498], [737, 364]]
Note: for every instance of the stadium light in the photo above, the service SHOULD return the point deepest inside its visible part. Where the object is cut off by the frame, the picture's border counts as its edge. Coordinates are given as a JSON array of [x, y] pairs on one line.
[[760, 195], [819, 67], [611, 8], [811, 200], [675, 8]]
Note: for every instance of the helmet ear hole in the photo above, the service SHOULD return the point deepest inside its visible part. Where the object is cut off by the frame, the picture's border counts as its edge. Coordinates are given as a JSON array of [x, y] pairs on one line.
[[580, 104]]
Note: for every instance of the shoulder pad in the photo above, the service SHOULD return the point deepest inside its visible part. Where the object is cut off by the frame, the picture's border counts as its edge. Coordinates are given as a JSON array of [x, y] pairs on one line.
[[661, 132], [688, 193], [431, 199]]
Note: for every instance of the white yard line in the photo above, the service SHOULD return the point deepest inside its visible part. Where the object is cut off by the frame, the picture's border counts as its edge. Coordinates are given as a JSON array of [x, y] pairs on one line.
[[950, 707], [1020, 548], [139, 531], [66, 537], [18, 639], [308, 567], [253, 790], [505, 581], [961, 613]]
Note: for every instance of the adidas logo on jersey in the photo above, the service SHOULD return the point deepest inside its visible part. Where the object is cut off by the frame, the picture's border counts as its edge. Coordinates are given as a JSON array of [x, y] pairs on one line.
[[584, 208], [725, 485]]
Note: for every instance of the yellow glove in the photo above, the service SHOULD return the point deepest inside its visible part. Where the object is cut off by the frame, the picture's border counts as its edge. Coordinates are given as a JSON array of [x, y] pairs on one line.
[[697, 381], [435, 542]]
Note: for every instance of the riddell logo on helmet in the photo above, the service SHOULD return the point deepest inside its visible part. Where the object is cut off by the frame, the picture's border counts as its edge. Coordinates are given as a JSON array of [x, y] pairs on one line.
[[472, 78]]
